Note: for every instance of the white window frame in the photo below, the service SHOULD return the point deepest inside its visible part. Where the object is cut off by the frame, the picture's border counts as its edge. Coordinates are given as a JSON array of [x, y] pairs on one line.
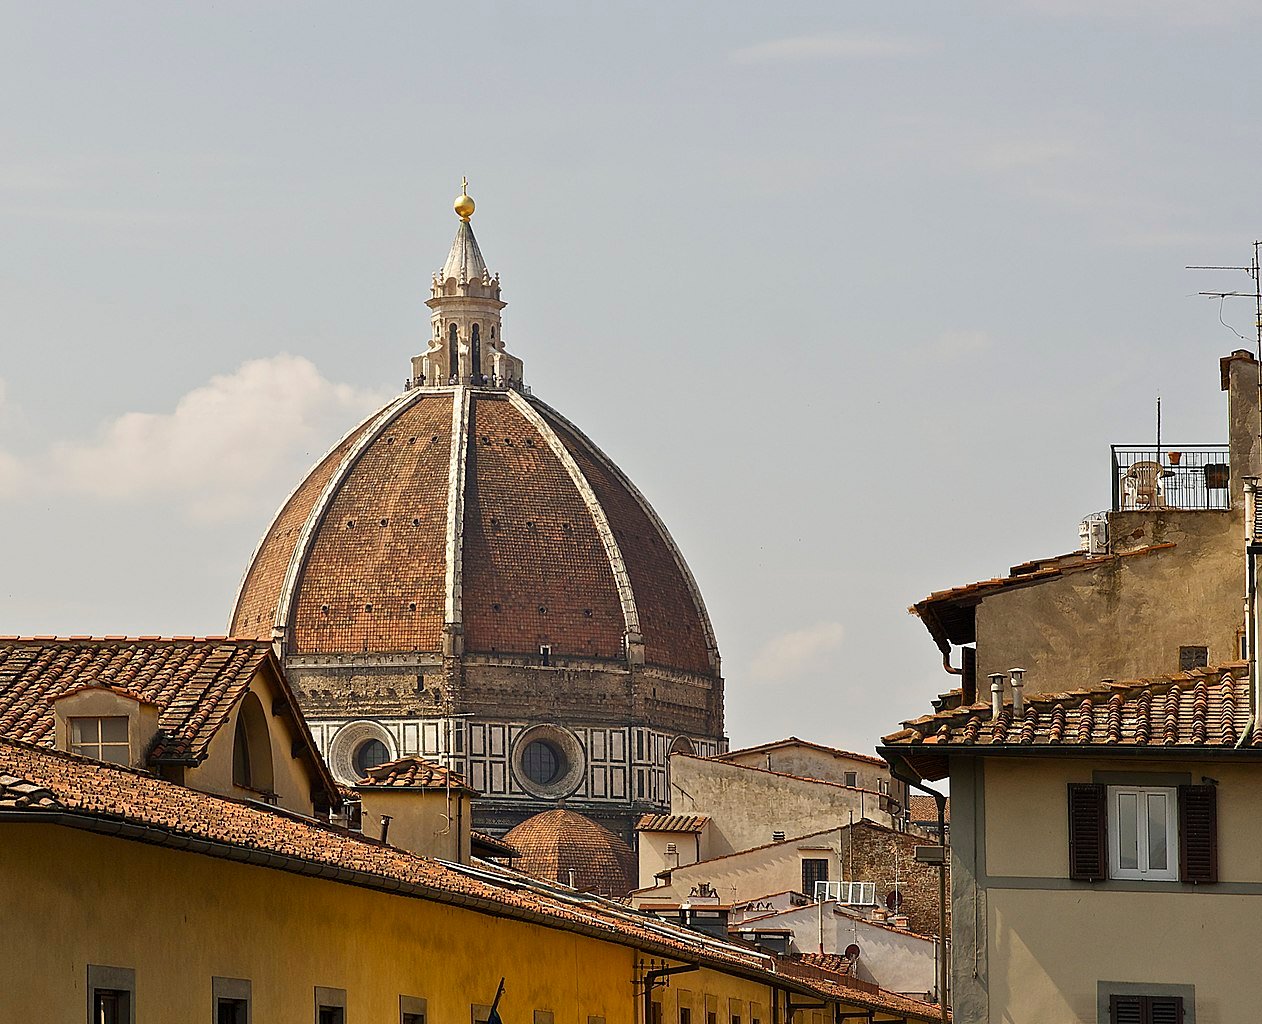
[[1170, 873]]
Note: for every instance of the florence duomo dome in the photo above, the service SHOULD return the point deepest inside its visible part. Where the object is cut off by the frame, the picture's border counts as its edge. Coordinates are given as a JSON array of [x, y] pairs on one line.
[[466, 576]]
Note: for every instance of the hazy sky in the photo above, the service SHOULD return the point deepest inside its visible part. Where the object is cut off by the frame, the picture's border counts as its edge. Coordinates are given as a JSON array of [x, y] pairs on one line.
[[858, 294]]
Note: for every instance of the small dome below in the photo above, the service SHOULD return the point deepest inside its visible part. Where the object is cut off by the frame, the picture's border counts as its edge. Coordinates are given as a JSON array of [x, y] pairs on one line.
[[566, 847]]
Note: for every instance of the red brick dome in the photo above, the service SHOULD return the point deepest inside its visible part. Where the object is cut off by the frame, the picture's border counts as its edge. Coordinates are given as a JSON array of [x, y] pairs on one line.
[[555, 843], [477, 521]]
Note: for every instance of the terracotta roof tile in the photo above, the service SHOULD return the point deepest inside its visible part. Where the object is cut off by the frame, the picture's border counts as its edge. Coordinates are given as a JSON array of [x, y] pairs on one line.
[[413, 772], [535, 570], [925, 808], [835, 962], [196, 683], [556, 842], [1204, 708]]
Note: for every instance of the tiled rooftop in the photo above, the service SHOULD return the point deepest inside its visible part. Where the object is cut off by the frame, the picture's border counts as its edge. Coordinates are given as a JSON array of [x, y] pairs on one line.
[[925, 808], [794, 741], [1205, 708], [413, 772], [556, 842], [194, 682], [672, 822]]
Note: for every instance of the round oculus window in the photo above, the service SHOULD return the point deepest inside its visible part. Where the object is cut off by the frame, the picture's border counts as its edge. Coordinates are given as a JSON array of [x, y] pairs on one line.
[[548, 761], [543, 763], [369, 754]]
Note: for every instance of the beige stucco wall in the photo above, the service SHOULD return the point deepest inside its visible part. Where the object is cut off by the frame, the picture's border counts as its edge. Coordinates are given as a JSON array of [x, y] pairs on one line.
[[746, 805], [654, 858], [142, 719], [814, 764], [420, 821], [1127, 618], [896, 960], [756, 872], [1046, 942], [292, 779]]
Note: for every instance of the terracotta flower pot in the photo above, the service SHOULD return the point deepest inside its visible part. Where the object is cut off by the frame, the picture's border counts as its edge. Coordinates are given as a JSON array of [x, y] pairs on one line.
[[1175, 457]]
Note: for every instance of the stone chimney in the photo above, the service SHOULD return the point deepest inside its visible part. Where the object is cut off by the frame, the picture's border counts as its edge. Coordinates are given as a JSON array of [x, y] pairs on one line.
[[1240, 381]]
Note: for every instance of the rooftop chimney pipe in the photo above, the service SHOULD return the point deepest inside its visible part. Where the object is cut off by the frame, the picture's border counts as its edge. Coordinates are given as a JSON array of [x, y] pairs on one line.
[[996, 693], [1018, 693], [385, 825]]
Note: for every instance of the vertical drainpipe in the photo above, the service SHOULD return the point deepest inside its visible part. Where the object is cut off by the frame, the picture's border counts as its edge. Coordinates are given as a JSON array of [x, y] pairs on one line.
[[1251, 604]]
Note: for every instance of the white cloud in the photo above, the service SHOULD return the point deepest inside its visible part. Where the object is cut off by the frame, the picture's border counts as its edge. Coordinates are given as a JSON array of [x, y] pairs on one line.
[[796, 652], [222, 448], [831, 46]]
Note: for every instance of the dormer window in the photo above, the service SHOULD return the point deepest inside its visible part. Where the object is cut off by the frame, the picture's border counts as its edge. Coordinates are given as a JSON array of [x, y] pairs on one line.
[[103, 739], [252, 747]]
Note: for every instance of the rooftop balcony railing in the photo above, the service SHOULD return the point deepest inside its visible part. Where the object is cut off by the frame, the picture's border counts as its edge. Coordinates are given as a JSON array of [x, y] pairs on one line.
[[1176, 476]]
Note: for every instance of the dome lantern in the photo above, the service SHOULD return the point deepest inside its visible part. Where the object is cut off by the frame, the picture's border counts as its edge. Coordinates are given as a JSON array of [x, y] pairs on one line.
[[466, 346]]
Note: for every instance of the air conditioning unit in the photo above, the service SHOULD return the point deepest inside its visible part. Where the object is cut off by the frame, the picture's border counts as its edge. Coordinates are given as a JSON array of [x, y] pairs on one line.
[[1093, 534]]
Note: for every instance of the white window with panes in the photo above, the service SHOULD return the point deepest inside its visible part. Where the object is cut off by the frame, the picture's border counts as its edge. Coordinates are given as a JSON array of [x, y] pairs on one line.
[[1143, 833], [104, 739]]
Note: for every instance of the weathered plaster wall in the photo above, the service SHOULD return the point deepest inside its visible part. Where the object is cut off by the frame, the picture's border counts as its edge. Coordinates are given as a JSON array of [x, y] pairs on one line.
[[421, 820], [291, 776], [756, 872], [746, 805], [818, 764], [1127, 618]]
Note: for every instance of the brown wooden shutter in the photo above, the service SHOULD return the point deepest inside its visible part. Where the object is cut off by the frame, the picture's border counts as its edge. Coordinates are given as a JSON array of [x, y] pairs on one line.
[[1165, 1010], [1088, 840], [1198, 833], [1126, 1010]]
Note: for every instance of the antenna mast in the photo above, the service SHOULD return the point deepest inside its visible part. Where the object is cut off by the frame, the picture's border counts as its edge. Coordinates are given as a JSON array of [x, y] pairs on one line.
[[1254, 270]]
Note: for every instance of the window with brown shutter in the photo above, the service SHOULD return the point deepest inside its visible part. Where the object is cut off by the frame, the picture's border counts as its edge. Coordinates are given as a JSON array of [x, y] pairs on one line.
[[1088, 841], [1198, 834], [1145, 1009]]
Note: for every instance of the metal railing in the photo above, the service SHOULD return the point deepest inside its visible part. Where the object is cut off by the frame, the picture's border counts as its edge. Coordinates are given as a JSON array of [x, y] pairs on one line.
[[1176, 476]]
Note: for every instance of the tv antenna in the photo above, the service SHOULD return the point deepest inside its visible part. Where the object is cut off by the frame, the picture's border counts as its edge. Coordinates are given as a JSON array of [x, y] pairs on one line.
[[1254, 272]]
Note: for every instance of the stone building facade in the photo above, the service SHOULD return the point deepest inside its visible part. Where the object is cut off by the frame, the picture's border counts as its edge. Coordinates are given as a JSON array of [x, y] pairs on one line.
[[467, 577]]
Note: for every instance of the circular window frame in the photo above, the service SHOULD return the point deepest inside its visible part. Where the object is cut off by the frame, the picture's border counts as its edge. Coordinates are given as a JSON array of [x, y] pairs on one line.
[[347, 740], [567, 745]]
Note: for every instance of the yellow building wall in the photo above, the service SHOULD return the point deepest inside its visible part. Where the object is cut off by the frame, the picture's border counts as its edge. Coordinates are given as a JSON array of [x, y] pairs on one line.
[[178, 919]]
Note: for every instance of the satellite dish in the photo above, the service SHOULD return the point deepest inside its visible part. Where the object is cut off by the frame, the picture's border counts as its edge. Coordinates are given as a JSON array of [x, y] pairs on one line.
[[894, 901], [852, 952]]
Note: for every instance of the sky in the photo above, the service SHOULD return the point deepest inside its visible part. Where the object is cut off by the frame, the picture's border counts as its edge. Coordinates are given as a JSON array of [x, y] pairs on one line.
[[857, 294]]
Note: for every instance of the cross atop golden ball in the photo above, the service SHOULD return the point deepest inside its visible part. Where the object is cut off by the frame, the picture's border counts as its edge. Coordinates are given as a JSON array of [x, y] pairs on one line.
[[463, 204]]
